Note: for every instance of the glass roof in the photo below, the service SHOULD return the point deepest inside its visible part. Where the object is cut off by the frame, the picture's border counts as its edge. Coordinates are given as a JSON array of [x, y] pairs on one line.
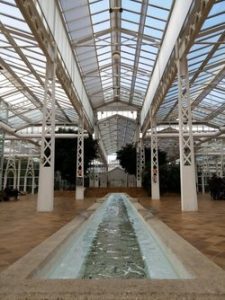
[[136, 41], [116, 45], [22, 75], [116, 51], [206, 65]]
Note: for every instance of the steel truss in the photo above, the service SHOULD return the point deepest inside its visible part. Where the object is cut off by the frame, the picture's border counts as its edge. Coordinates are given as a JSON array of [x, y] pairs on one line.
[[154, 162], [46, 181], [187, 164], [80, 162]]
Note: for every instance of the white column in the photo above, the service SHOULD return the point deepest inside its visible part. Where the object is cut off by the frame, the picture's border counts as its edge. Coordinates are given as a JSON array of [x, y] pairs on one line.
[[29, 173], [80, 162], [18, 174], [187, 168], [154, 163], [11, 165], [138, 164], [221, 160], [140, 156], [217, 167], [46, 174], [203, 181], [205, 169], [2, 139], [4, 118], [196, 176]]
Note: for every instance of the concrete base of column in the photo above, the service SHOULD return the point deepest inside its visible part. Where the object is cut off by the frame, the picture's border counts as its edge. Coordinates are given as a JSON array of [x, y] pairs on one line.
[[96, 183], [155, 191], [45, 190], [139, 183], [188, 190], [79, 193]]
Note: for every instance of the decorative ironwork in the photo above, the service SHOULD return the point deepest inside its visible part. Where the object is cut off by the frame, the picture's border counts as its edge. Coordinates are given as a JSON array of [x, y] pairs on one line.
[[80, 154], [48, 127], [140, 160], [11, 165], [29, 173], [154, 154], [185, 117]]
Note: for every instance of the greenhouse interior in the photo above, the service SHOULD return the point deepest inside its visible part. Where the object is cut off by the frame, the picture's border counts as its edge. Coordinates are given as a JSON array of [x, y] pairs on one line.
[[112, 149]]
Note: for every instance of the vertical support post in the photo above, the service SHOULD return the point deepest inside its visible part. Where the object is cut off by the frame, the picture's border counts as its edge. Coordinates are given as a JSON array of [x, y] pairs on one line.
[[140, 154], [46, 175], [91, 175], [221, 160], [2, 140], [18, 174], [217, 167], [138, 164], [80, 161], [10, 166], [140, 157], [29, 173], [203, 182], [196, 175], [4, 117], [187, 168], [205, 170], [154, 162]]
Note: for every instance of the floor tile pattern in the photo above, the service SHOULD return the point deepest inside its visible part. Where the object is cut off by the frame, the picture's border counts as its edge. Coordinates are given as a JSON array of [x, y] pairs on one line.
[[204, 229], [22, 228]]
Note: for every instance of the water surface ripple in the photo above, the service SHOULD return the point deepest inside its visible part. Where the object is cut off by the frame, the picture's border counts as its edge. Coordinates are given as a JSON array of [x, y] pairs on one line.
[[115, 251]]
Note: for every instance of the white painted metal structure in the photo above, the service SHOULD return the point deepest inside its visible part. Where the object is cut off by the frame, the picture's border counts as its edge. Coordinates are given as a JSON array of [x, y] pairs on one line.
[[117, 58], [46, 176], [187, 159], [29, 174], [154, 163], [80, 162], [10, 167], [140, 164]]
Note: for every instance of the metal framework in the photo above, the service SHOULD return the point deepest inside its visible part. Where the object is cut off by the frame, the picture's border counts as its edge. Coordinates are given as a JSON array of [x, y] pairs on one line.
[[154, 163], [46, 181], [187, 163], [29, 174], [114, 58], [10, 166], [140, 161], [2, 138], [80, 162]]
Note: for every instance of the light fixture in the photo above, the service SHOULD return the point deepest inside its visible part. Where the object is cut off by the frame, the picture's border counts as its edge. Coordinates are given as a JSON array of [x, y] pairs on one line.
[[116, 56]]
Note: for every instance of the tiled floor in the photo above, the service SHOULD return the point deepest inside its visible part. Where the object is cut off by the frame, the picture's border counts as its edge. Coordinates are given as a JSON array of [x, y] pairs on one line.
[[22, 228], [204, 229]]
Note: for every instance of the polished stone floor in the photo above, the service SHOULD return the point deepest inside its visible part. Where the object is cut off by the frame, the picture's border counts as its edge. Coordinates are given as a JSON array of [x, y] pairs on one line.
[[22, 228]]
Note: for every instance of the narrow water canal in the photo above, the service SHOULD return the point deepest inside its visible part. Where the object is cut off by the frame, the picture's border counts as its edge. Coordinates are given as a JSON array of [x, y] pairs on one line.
[[115, 252]]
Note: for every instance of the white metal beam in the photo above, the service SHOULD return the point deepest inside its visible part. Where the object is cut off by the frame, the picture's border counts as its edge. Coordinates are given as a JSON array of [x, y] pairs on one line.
[[46, 23], [188, 17], [178, 16]]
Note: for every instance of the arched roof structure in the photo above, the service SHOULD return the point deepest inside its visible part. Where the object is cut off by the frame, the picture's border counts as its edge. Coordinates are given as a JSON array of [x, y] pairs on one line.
[[115, 56]]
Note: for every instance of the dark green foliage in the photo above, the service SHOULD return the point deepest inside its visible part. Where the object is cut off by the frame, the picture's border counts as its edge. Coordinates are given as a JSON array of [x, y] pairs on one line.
[[66, 152], [169, 174], [217, 187], [127, 158]]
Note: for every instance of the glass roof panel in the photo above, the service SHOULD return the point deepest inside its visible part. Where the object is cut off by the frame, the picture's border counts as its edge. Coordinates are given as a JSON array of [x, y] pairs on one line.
[[116, 51]]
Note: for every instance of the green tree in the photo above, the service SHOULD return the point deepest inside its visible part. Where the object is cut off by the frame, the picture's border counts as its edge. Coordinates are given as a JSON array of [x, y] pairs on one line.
[[127, 158], [169, 173], [66, 153]]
